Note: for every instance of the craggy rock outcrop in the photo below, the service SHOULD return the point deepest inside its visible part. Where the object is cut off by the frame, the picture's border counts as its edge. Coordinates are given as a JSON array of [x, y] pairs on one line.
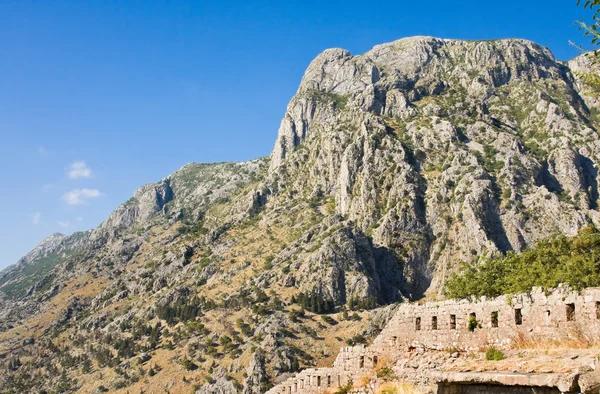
[[443, 150]]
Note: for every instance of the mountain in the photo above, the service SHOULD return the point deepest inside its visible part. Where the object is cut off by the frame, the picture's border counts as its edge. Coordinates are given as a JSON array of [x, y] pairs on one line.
[[389, 169]]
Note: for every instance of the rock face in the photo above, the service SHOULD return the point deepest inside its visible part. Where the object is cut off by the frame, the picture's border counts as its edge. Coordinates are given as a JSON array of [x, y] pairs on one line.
[[444, 150], [389, 169]]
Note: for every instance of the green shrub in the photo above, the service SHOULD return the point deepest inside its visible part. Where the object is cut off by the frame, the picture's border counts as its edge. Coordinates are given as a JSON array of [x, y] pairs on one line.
[[494, 354], [473, 323], [386, 374], [189, 364], [346, 388], [356, 340], [559, 259]]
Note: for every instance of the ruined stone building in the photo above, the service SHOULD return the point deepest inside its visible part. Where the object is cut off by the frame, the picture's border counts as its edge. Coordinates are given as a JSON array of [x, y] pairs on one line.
[[455, 326]]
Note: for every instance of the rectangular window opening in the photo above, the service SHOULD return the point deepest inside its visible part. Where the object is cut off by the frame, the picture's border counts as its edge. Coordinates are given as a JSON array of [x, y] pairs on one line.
[[453, 322], [570, 309], [494, 319], [472, 323], [597, 309], [434, 322], [418, 324], [362, 361], [518, 317], [318, 381]]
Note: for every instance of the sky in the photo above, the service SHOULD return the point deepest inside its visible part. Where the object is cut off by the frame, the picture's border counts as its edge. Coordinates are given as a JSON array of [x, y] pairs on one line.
[[100, 97]]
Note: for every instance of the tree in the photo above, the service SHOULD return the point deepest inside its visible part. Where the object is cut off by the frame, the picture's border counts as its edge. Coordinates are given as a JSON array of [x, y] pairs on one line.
[[592, 31]]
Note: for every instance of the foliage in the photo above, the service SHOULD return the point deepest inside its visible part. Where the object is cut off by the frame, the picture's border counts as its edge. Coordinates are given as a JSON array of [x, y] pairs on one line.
[[494, 354], [183, 309], [386, 374], [592, 32], [356, 304], [554, 260], [316, 302], [473, 323], [329, 320], [356, 340], [345, 388], [189, 364]]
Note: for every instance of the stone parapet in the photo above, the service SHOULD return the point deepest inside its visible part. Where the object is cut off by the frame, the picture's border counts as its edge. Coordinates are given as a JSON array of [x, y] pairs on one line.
[[562, 314]]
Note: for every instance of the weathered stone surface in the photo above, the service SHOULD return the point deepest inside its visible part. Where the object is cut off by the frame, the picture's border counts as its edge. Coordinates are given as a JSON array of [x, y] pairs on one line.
[[589, 382]]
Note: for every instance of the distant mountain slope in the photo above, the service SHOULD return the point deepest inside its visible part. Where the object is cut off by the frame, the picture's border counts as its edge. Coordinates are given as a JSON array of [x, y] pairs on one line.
[[389, 169]]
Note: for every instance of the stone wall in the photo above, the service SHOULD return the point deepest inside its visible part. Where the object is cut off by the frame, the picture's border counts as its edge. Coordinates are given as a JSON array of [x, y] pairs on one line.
[[560, 315], [467, 325], [349, 364]]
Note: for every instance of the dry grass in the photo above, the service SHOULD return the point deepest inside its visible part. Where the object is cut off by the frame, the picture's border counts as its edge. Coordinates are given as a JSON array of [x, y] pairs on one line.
[[397, 388], [364, 380], [574, 339]]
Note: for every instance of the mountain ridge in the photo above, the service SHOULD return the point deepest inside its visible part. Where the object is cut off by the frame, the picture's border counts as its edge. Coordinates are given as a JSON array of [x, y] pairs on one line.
[[388, 170]]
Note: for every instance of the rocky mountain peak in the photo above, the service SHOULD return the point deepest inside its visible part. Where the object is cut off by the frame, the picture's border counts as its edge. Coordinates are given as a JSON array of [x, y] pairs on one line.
[[391, 76], [425, 143]]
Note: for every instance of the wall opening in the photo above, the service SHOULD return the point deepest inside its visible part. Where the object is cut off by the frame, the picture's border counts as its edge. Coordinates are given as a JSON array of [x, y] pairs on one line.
[[494, 319], [362, 361], [318, 381], [395, 340], [434, 322], [472, 323], [547, 317], [375, 360], [518, 317], [418, 324], [453, 322], [295, 387], [328, 380], [570, 309], [597, 309]]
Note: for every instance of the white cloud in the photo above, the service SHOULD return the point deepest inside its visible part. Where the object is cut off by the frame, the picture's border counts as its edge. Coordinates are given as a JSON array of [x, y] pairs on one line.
[[43, 151], [78, 169], [80, 196], [35, 218], [64, 223]]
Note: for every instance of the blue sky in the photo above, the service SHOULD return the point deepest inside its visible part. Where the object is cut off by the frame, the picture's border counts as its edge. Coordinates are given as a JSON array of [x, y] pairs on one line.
[[100, 97]]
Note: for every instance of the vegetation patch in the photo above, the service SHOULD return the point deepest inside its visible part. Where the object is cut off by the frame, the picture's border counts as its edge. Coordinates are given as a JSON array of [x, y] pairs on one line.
[[559, 259]]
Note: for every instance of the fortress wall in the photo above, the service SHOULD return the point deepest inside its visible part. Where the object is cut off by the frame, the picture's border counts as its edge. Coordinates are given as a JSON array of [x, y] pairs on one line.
[[562, 314], [350, 363]]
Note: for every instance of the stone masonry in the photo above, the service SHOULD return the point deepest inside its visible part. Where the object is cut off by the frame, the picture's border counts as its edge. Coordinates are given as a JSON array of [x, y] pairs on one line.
[[467, 325]]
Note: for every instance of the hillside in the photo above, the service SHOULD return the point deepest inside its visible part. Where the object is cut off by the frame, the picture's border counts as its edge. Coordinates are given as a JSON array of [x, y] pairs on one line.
[[389, 169]]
